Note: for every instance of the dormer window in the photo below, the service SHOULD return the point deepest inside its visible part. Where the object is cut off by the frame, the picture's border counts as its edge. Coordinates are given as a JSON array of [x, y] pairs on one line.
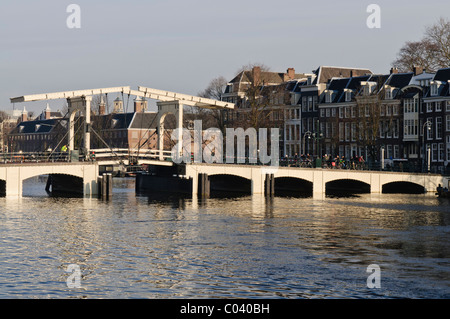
[[368, 87], [328, 96], [388, 95], [434, 89], [36, 128], [348, 96]]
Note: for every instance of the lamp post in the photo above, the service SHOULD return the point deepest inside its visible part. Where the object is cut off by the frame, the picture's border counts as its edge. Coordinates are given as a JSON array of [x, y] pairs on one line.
[[382, 157], [428, 124], [304, 136]]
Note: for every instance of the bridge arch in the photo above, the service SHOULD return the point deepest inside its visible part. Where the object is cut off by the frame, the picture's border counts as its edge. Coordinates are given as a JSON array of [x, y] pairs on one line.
[[2, 188], [403, 187], [344, 186], [229, 183], [292, 186]]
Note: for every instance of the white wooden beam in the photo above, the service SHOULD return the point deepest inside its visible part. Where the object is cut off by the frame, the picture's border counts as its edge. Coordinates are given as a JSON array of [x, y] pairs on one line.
[[67, 94], [186, 99]]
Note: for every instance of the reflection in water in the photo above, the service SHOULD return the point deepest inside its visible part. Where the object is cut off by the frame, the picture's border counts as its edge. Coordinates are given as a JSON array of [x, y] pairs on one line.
[[250, 246]]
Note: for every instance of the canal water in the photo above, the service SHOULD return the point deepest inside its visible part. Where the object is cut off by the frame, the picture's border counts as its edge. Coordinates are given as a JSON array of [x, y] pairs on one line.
[[243, 247]]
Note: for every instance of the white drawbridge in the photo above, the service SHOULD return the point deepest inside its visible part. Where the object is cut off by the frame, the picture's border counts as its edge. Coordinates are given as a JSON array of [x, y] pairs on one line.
[[168, 103]]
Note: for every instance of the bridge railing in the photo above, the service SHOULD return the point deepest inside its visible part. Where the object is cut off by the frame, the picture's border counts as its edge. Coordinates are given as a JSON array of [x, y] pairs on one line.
[[130, 154], [34, 157]]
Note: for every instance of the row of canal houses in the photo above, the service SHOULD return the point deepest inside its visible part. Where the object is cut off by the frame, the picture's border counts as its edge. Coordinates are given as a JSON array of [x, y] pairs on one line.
[[403, 118]]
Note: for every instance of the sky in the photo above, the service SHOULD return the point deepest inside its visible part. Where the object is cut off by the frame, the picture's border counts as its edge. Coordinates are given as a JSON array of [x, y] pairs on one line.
[[181, 46]]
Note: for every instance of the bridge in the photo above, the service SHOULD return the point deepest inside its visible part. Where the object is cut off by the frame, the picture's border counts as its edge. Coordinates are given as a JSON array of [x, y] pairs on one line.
[[204, 179], [66, 170]]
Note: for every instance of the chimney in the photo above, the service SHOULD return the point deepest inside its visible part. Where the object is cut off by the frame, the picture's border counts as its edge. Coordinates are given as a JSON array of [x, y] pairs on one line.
[[290, 74], [24, 116], [47, 112], [256, 72], [394, 70], [417, 70], [101, 106]]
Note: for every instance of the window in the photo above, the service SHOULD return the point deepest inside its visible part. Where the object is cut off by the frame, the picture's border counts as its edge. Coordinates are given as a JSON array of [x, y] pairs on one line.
[[341, 112], [396, 128], [448, 148], [448, 106], [388, 110], [348, 96], [438, 106], [434, 152], [382, 129], [434, 90], [310, 102], [328, 95], [388, 129], [347, 131], [315, 104], [322, 112], [341, 132], [395, 110], [328, 112], [347, 112], [396, 151], [333, 112], [439, 127], [429, 107], [447, 126], [353, 111], [441, 152], [366, 90], [304, 104], [353, 132], [367, 110], [389, 151], [388, 95], [382, 110], [429, 132]]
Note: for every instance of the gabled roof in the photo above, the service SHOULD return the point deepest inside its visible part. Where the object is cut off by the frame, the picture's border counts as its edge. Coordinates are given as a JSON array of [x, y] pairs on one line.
[[399, 80], [36, 126], [442, 75], [113, 121], [326, 73], [144, 120]]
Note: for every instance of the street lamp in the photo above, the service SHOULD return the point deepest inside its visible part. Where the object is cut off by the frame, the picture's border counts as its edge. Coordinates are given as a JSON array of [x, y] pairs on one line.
[[304, 136], [428, 124]]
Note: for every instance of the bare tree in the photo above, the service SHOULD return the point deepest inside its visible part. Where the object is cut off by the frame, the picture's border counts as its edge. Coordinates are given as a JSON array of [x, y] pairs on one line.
[[439, 36], [251, 65], [214, 90], [420, 53], [432, 52], [97, 100]]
